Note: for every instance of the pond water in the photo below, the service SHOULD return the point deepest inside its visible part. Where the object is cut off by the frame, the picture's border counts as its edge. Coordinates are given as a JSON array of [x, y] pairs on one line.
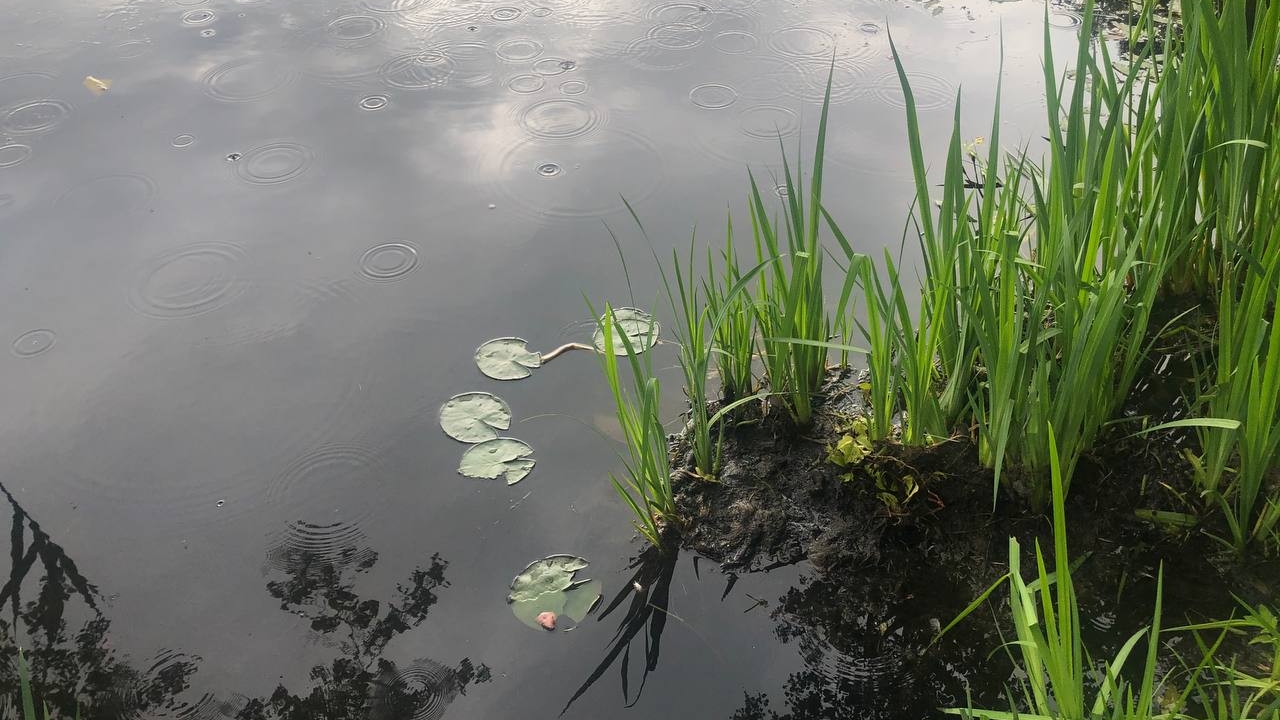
[[239, 282]]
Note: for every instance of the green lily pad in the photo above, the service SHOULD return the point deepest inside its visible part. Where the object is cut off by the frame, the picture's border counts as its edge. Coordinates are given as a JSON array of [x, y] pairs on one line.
[[639, 326], [548, 585], [475, 416], [581, 599], [550, 574], [507, 359], [499, 457]]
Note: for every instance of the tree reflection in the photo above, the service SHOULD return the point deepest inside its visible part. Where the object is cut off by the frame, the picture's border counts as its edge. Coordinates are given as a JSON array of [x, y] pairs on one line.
[[74, 670], [360, 682], [55, 614], [865, 647]]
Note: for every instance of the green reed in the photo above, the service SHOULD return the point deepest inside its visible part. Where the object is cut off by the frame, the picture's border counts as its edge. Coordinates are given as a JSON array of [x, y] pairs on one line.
[[734, 338], [1226, 691], [646, 483], [692, 312], [1230, 73], [1039, 275], [709, 314], [1057, 670], [1229, 91], [25, 694], [792, 314], [1238, 467]]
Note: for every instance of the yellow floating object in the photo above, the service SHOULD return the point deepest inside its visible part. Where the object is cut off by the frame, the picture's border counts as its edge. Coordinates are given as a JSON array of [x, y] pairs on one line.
[[96, 86]]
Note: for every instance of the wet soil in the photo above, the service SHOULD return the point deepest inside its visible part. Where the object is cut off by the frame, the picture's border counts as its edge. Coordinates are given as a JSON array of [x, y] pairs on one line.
[[891, 566]]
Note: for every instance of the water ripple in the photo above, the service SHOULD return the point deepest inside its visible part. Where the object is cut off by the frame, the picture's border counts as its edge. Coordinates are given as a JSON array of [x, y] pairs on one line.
[[802, 41], [34, 342], [418, 70], [332, 483], [389, 261], [930, 91], [274, 163], [301, 544], [245, 80], [560, 119], [422, 691], [713, 96], [14, 154], [519, 50], [108, 196], [189, 281], [577, 179], [35, 117]]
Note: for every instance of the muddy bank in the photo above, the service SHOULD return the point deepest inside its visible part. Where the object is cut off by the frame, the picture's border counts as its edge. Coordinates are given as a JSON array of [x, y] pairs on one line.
[[902, 541]]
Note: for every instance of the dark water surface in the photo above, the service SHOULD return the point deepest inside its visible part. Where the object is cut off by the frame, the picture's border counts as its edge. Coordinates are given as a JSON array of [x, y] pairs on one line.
[[238, 285]]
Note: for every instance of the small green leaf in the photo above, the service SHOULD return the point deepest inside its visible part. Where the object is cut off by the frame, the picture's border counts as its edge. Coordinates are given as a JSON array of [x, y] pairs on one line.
[[499, 457], [475, 416], [507, 358], [1167, 518], [639, 326]]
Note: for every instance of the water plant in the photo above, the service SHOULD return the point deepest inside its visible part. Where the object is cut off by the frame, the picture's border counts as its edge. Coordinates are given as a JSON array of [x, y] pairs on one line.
[[646, 483], [734, 343], [1228, 93], [792, 313], [548, 590], [26, 696], [1040, 276], [1056, 669], [693, 328], [1237, 467], [1226, 689]]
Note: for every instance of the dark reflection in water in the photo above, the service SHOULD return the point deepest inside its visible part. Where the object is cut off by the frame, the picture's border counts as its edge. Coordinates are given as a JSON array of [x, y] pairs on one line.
[[360, 682], [56, 616], [650, 591], [866, 655], [62, 629]]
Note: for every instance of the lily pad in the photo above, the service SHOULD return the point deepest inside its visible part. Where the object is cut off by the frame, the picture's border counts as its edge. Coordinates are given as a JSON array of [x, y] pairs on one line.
[[580, 599], [548, 586], [475, 416], [639, 326], [507, 358], [499, 457]]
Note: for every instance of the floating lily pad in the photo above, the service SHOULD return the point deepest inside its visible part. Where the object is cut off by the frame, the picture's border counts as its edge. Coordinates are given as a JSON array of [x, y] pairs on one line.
[[580, 599], [548, 586], [475, 416], [639, 326], [507, 359], [499, 457]]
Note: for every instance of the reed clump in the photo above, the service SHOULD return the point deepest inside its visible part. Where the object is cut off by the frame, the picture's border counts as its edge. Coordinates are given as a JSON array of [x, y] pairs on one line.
[[1042, 266]]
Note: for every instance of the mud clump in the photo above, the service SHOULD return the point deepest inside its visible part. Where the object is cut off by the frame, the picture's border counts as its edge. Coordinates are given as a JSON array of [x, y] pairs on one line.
[[904, 512]]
